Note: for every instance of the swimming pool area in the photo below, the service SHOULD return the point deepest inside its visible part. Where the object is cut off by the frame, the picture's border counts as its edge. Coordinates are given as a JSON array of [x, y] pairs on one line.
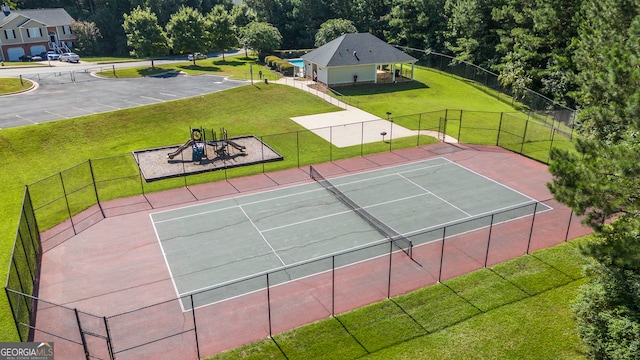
[[296, 62]]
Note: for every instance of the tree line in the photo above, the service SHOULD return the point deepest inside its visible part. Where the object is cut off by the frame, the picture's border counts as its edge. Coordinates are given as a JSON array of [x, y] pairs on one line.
[[581, 53], [529, 43]]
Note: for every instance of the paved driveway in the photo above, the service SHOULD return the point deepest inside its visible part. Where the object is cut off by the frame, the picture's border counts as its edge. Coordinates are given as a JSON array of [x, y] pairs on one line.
[[55, 100]]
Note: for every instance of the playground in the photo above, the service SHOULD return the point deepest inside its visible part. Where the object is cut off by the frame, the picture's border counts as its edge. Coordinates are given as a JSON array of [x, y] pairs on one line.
[[202, 153]]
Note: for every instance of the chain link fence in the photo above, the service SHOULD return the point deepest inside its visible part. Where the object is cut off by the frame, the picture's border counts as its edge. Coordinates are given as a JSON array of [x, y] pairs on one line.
[[537, 105], [83, 195]]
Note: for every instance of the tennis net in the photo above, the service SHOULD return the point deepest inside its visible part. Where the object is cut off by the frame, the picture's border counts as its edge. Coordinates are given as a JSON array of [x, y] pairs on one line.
[[397, 239]]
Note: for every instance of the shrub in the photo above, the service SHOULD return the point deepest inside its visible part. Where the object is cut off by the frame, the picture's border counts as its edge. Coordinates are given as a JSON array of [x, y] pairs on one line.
[[285, 68]]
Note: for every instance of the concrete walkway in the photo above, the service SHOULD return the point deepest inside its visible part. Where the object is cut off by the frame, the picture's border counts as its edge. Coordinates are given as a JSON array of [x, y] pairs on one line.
[[351, 126]]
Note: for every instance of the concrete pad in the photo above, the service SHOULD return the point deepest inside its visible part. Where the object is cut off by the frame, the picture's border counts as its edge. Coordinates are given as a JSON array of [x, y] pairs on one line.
[[352, 127]]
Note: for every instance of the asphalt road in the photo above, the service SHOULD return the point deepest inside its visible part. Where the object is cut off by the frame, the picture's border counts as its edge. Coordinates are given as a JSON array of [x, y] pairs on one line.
[[70, 90]]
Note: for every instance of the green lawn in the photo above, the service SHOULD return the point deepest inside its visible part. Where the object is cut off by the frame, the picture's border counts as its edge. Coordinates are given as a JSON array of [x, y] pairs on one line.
[[515, 310], [33, 152], [236, 67], [12, 85]]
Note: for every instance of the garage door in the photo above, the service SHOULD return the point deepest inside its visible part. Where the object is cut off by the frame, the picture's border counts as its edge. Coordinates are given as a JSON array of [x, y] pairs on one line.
[[15, 53], [38, 49]]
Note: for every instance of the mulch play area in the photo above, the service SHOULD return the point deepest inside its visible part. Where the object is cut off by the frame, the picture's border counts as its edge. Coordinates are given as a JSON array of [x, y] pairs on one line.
[[199, 157]]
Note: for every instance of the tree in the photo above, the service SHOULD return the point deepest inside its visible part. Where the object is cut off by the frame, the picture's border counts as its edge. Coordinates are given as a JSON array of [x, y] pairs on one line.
[[188, 31], [470, 33], [88, 36], [221, 29], [279, 14], [606, 55], [371, 15], [417, 23], [144, 36], [261, 37], [332, 29], [310, 14], [601, 179], [242, 15]]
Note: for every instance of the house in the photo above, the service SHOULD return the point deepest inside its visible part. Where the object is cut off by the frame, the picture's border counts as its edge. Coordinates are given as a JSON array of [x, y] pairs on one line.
[[358, 58], [32, 32]]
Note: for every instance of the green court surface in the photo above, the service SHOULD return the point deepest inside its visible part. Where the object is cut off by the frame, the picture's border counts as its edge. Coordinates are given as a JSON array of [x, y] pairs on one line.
[[222, 246]]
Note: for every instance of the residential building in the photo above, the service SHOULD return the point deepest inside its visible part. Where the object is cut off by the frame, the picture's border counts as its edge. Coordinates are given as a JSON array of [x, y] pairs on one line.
[[32, 32]]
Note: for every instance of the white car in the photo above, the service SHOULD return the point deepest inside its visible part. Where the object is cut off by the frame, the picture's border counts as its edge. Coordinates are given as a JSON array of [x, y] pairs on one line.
[[70, 57], [52, 55], [197, 55]]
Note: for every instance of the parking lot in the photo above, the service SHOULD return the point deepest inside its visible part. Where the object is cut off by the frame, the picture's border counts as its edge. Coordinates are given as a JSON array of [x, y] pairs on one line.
[[58, 96]]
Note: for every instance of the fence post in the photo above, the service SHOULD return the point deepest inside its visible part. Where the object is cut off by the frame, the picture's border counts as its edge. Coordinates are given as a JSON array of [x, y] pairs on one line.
[[109, 344], [330, 143], [419, 128], [444, 232], [195, 326], [297, 146], [533, 220], [82, 338], [390, 259], [486, 257], [64, 192], [566, 236], [460, 127], [361, 138], [333, 285], [95, 189], [524, 136], [391, 136], [13, 313], [113, 67], [32, 213], [269, 305], [553, 137], [499, 129], [261, 157]]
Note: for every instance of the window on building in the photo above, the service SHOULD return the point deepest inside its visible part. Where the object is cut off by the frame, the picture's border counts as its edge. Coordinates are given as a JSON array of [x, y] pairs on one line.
[[66, 29], [35, 32], [10, 34]]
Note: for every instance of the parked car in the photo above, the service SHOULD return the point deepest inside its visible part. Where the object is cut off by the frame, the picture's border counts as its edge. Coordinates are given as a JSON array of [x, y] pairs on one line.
[[197, 55], [70, 57], [52, 55], [25, 58], [36, 58]]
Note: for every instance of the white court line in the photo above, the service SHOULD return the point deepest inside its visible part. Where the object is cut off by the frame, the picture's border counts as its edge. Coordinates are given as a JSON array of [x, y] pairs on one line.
[[167, 94], [479, 216], [234, 206], [492, 180], [342, 212], [436, 196], [262, 235], [285, 188], [166, 262]]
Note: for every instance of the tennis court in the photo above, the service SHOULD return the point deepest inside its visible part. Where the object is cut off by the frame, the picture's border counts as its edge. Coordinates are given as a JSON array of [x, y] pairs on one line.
[[217, 243]]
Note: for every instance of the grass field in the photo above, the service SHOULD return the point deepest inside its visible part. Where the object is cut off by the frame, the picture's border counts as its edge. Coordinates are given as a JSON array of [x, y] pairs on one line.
[[515, 310], [236, 67], [32, 152], [12, 85]]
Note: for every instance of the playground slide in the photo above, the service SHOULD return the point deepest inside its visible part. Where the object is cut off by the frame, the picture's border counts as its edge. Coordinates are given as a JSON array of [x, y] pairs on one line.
[[236, 146], [180, 149]]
